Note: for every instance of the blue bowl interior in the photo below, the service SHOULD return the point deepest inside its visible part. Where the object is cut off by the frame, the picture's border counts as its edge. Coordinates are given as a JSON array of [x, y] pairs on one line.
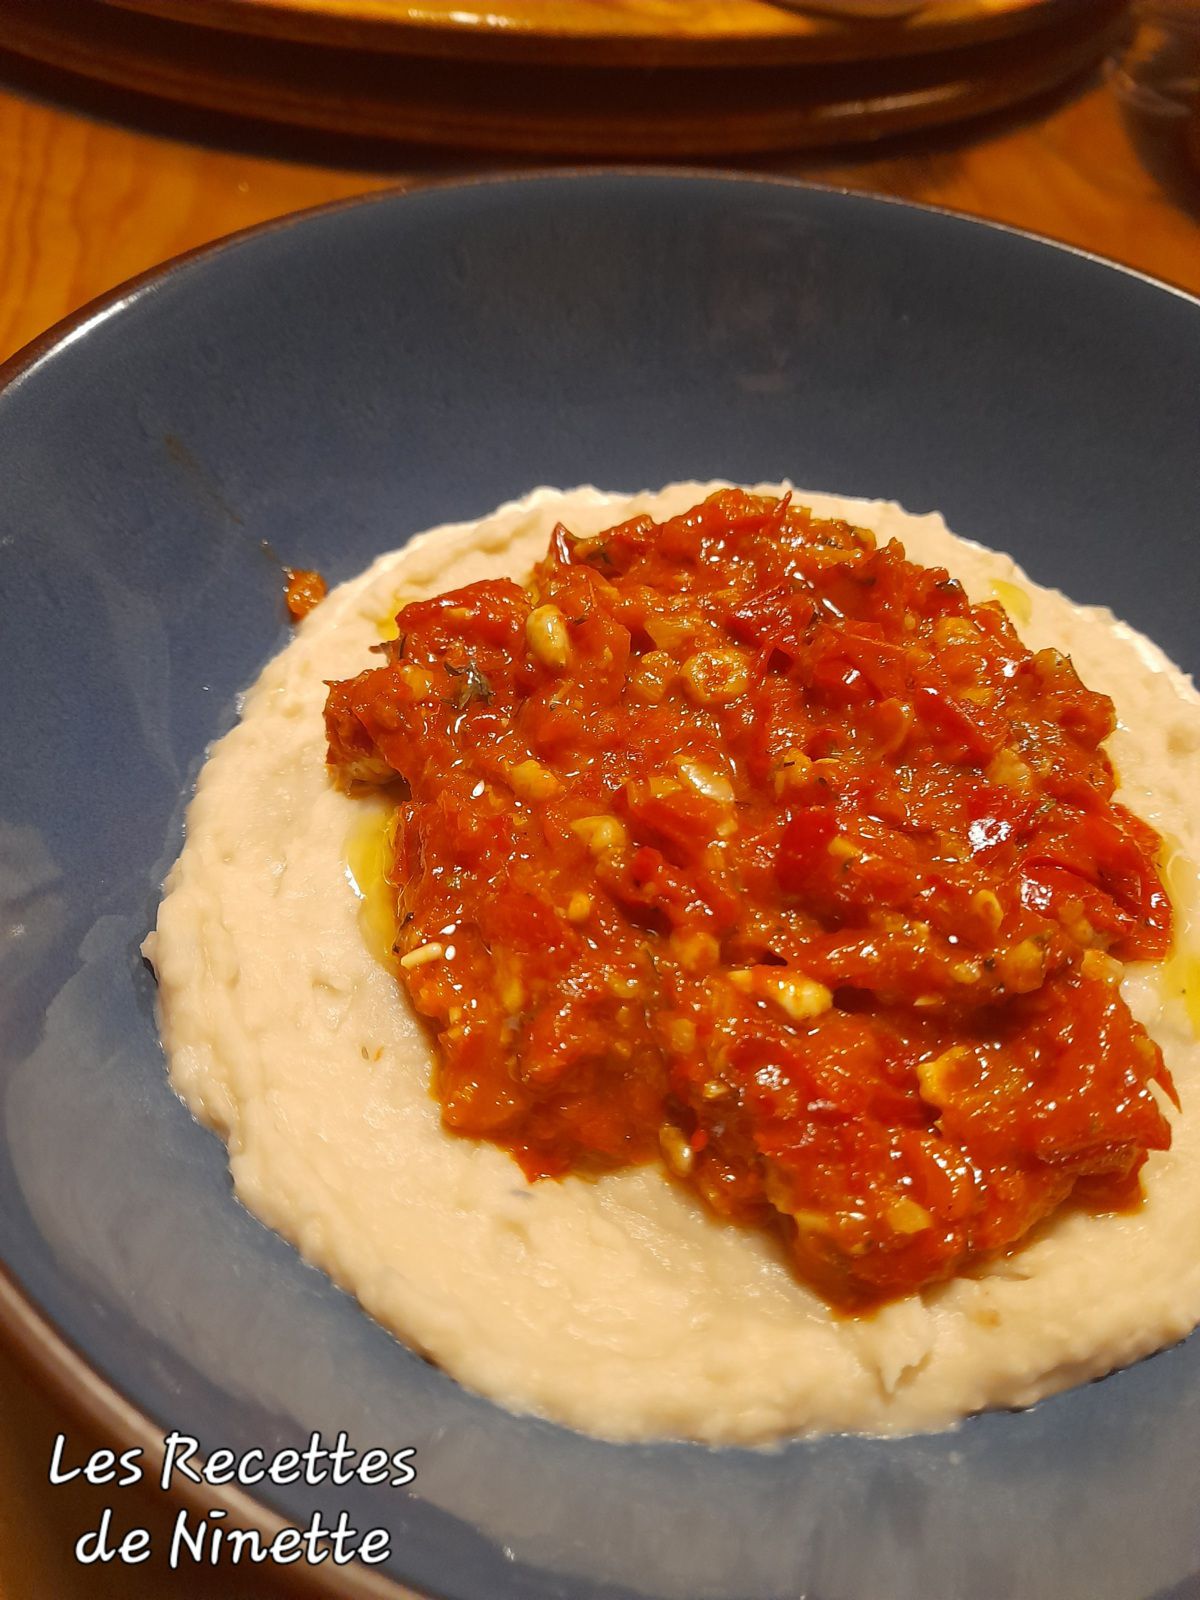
[[332, 386]]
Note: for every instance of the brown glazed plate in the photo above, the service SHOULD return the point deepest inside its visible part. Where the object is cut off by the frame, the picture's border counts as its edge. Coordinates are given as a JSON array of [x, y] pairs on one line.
[[628, 32], [465, 80]]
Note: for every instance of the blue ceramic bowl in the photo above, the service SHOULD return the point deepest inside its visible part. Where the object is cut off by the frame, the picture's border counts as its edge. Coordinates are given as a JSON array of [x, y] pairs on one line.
[[330, 385]]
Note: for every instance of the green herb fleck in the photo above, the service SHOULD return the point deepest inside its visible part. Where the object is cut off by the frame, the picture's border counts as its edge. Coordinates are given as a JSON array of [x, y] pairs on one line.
[[474, 685]]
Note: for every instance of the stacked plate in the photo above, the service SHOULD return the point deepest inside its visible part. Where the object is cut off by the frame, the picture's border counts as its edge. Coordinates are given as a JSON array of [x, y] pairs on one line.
[[578, 77]]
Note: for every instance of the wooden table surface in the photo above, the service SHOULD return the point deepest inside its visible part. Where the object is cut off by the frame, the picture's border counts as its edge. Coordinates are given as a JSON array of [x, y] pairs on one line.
[[95, 188]]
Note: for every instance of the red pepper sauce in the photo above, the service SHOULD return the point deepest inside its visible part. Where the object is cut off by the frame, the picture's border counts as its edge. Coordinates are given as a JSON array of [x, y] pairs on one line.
[[302, 591], [743, 842]]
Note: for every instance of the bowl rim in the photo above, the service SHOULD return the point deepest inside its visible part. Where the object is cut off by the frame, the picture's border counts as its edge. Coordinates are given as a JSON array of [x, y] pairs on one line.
[[77, 323], [45, 1351]]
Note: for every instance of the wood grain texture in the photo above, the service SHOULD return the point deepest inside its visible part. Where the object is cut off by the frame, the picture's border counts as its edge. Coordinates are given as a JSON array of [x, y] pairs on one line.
[[40, 1524], [85, 203], [590, 112], [606, 32]]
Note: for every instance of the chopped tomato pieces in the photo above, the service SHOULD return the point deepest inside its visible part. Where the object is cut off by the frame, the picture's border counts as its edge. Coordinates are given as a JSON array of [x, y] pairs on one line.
[[302, 592], [741, 843]]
